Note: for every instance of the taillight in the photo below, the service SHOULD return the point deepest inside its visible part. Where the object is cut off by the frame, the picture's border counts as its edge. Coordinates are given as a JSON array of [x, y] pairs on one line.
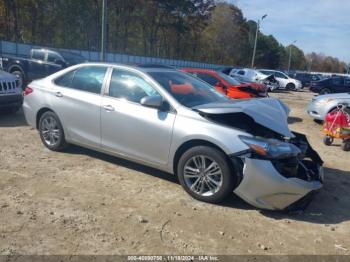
[[28, 90]]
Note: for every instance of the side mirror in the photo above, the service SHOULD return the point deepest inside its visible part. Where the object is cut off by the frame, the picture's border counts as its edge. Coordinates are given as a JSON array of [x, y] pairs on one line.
[[152, 101]]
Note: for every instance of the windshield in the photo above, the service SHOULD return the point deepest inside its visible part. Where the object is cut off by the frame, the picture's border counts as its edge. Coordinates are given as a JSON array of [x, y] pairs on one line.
[[188, 90], [72, 58], [228, 79]]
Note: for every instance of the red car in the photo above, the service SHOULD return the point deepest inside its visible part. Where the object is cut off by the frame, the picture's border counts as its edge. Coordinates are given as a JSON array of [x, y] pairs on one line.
[[228, 85]]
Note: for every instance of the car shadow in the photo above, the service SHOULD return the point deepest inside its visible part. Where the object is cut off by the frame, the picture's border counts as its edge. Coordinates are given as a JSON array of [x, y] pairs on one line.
[[292, 120], [279, 91], [73, 149], [329, 206], [12, 120]]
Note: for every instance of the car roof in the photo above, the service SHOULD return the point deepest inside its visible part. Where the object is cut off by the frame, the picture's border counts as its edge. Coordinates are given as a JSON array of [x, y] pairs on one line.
[[199, 70]]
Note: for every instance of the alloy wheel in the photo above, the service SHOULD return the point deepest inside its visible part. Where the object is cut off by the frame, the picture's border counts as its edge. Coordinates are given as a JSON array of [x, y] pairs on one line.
[[203, 175], [50, 131]]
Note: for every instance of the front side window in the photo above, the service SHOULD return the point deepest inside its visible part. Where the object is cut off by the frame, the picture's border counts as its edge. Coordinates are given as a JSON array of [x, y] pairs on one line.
[[130, 86], [241, 72], [88, 79], [280, 75]]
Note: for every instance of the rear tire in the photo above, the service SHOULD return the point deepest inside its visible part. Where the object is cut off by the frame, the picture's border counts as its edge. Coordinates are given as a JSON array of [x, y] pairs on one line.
[[51, 132], [206, 174]]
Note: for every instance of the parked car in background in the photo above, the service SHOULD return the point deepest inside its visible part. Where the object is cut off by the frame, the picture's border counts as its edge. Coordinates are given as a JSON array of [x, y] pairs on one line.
[[228, 85], [10, 93], [250, 75], [285, 82], [175, 122], [306, 78], [337, 84], [321, 105], [41, 63]]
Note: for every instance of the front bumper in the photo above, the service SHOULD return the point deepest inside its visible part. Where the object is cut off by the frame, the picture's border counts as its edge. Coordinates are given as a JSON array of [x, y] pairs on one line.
[[264, 187], [9, 101], [281, 184], [316, 112]]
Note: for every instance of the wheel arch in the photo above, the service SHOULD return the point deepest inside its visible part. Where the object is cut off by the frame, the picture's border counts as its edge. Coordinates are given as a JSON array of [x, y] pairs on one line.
[[192, 143], [17, 67], [40, 113]]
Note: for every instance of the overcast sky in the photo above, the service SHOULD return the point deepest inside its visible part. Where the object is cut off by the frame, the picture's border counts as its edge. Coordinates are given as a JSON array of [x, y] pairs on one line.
[[317, 25]]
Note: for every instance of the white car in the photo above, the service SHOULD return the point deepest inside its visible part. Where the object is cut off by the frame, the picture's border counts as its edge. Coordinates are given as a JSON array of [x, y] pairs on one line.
[[285, 82], [251, 75]]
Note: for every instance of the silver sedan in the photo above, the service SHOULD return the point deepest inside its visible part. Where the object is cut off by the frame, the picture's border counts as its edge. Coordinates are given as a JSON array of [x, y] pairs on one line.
[[169, 120], [321, 105]]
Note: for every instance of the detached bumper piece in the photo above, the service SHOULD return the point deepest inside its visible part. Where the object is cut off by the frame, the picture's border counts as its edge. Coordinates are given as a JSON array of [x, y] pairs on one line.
[[284, 184]]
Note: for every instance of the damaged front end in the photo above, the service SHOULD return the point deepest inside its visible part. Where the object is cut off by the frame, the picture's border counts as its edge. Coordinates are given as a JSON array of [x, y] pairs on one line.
[[280, 170], [282, 179]]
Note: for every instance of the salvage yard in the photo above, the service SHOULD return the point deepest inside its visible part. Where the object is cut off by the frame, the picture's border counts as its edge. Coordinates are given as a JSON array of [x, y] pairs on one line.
[[83, 202]]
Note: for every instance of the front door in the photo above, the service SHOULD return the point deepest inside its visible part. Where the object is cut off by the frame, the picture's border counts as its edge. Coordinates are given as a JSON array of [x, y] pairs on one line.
[[130, 129]]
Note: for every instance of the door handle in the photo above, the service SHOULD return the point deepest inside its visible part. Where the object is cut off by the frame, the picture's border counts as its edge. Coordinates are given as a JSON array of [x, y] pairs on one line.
[[108, 108], [58, 94]]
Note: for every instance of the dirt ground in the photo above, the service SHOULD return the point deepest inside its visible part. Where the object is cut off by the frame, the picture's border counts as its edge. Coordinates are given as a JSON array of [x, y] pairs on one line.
[[83, 202]]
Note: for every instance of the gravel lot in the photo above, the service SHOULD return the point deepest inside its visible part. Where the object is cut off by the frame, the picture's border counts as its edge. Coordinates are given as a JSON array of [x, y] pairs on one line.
[[83, 202]]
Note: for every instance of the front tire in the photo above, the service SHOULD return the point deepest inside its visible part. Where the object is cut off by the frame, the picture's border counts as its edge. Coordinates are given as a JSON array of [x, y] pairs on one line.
[[290, 86], [325, 91], [51, 131], [205, 174]]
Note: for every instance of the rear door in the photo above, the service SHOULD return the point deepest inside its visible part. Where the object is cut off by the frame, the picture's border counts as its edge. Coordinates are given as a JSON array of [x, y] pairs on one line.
[[76, 99], [130, 129]]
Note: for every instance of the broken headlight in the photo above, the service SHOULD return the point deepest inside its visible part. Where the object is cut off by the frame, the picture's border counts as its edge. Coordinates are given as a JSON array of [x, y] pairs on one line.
[[270, 148]]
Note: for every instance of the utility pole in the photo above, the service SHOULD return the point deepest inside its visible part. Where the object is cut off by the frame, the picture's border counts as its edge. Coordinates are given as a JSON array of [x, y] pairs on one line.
[[256, 38], [290, 54], [104, 31]]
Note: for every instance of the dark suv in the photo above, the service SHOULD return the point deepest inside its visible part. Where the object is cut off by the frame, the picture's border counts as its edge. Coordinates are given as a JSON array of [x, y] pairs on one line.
[[306, 78], [331, 85]]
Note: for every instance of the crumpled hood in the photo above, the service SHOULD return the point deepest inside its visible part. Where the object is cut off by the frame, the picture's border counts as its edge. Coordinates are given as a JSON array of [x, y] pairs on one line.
[[268, 112]]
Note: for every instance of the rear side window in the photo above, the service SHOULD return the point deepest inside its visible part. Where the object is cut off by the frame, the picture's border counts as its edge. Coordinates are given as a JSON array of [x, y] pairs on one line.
[[39, 55], [89, 79], [53, 57], [208, 78], [241, 72], [66, 79]]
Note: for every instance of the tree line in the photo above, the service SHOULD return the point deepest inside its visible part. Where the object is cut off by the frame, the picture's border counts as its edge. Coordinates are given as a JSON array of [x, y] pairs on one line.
[[199, 30]]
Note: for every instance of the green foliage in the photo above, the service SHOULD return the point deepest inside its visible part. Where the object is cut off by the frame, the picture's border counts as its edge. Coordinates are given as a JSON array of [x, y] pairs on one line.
[[201, 30]]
